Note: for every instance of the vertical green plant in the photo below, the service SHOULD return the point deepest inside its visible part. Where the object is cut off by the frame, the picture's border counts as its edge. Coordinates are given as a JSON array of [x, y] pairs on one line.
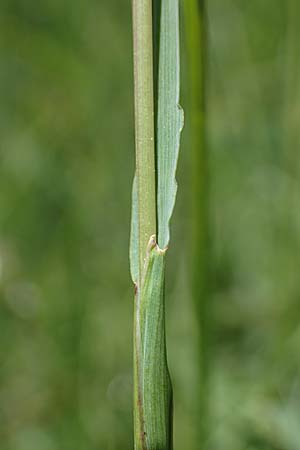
[[196, 46], [157, 133]]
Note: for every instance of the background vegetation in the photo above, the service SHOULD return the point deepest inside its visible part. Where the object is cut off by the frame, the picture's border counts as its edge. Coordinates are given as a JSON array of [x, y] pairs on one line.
[[67, 161]]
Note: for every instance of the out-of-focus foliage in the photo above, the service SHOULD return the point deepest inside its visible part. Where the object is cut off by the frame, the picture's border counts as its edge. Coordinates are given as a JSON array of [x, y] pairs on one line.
[[66, 167], [67, 160]]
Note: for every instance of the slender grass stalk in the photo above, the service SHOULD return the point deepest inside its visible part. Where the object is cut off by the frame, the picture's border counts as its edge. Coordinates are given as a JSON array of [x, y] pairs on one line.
[[148, 246], [196, 68], [144, 122]]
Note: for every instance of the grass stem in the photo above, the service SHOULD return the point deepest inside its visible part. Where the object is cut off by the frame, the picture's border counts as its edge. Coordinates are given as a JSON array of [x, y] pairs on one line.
[[144, 122]]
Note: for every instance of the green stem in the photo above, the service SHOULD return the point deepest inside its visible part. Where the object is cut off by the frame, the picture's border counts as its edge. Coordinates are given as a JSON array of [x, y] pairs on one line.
[[144, 123]]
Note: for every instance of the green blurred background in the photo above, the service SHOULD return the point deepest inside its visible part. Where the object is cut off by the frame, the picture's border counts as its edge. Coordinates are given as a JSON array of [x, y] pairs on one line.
[[67, 161]]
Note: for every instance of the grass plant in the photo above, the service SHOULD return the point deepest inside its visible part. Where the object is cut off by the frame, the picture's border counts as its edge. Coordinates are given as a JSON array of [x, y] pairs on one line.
[[158, 123]]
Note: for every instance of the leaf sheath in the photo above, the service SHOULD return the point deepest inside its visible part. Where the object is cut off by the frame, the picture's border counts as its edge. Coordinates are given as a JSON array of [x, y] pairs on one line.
[[153, 391]]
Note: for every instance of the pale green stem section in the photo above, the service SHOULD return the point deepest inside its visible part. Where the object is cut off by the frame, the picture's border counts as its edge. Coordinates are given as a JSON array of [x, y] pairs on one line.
[[196, 49], [144, 122]]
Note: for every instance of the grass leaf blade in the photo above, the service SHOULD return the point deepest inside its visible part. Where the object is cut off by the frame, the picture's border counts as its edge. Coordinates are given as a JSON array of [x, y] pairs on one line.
[[169, 115]]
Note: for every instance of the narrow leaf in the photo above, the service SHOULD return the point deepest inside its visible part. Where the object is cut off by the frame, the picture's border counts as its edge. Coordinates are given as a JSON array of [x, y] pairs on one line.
[[169, 114]]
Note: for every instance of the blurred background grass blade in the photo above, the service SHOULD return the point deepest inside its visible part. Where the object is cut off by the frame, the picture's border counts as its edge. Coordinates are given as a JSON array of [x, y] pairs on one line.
[[291, 87], [169, 120], [196, 49]]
